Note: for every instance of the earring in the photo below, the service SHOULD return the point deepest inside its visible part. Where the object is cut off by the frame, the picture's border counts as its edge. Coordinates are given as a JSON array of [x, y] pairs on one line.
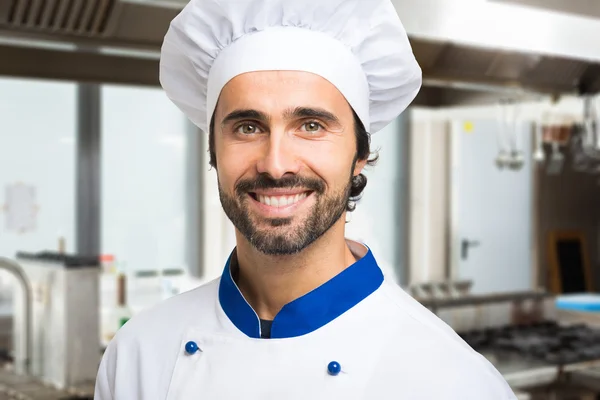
[[348, 217]]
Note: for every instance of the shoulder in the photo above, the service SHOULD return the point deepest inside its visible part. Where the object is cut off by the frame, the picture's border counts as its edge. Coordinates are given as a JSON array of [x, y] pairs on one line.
[[145, 349], [421, 320], [435, 350], [172, 315]]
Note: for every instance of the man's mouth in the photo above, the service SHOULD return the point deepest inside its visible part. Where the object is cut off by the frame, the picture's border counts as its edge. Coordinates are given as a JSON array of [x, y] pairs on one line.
[[279, 200]]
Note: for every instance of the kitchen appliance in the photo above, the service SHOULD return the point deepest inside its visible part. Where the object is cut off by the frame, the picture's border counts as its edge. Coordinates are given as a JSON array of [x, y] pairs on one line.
[[65, 333]]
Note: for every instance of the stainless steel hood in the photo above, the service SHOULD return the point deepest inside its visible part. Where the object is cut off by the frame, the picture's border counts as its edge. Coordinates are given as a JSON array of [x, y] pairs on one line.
[[89, 23], [78, 40], [585, 8], [503, 71]]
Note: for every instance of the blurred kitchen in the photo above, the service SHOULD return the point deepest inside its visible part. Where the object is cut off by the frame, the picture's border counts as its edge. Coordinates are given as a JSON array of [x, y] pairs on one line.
[[483, 204]]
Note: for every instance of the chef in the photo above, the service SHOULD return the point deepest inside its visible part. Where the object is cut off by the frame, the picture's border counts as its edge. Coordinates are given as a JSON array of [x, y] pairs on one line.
[[289, 92]]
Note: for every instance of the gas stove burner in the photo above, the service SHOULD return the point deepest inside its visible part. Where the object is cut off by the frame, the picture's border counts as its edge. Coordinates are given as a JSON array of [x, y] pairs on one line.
[[544, 341]]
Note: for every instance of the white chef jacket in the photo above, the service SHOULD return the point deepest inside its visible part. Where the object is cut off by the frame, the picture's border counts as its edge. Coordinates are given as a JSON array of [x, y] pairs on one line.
[[358, 336]]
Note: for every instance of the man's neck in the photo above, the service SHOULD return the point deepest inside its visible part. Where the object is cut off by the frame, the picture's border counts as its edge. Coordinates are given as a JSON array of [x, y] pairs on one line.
[[270, 282]]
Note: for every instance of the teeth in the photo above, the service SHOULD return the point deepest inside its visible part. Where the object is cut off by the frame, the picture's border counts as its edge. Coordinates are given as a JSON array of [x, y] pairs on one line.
[[281, 201]]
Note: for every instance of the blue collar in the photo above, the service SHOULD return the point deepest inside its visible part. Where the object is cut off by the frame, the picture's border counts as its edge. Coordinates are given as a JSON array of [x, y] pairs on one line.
[[309, 312]]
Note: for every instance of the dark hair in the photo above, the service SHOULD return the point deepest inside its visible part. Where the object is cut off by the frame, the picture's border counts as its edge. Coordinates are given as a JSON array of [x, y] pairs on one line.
[[363, 151]]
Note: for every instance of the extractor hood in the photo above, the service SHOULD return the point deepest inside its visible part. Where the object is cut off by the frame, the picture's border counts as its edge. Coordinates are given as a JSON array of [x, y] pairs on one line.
[[89, 23], [82, 37], [585, 8]]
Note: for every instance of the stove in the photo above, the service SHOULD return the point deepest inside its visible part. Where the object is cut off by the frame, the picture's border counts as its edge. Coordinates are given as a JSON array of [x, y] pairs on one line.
[[546, 342]]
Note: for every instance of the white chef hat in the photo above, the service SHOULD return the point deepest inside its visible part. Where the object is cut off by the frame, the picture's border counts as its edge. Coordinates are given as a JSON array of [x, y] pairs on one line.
[[360, 46]]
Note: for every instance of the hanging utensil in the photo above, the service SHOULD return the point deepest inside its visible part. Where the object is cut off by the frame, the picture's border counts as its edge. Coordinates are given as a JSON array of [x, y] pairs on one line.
[[539, 155], [589, 133], [557, 159], [516, 154], [503, 158], [595, 120]]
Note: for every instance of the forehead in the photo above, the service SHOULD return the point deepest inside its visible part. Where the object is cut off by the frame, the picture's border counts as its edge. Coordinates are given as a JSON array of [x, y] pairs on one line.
[[276, 91]]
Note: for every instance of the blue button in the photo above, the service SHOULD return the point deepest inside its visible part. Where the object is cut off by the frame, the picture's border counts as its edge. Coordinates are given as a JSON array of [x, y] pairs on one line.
[[191, 347], [334, 368]]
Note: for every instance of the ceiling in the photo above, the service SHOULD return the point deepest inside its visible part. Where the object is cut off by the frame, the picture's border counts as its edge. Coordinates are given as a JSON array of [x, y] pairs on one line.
[[79, 35]]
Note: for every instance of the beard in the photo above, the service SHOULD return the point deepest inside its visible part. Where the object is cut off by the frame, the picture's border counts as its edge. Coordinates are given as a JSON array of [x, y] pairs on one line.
[[275, 239]]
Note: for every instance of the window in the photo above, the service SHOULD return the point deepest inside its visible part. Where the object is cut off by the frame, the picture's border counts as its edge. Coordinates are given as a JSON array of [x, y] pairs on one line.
[[37, 165], [143, 179]]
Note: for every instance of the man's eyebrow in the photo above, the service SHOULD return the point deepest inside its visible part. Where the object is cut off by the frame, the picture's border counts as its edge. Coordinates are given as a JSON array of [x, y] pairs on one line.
[[310, 112], [298, 112], [245, 114]]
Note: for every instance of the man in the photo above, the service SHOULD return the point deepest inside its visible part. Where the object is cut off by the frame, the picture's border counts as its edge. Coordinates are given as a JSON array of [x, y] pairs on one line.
[[288, 91]]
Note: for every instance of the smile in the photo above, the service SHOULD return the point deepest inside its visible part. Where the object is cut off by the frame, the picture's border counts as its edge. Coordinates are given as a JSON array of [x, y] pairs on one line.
[[277, 203], [281, 201]]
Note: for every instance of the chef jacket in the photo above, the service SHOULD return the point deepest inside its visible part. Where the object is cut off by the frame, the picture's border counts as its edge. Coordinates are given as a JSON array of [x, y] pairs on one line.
[[358, 336]]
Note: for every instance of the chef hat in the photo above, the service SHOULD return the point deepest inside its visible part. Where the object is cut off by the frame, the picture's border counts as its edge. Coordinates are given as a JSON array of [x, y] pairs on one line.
[[359, 46]]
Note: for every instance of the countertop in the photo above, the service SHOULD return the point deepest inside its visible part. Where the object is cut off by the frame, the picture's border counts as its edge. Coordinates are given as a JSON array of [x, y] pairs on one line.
[[20, 387]]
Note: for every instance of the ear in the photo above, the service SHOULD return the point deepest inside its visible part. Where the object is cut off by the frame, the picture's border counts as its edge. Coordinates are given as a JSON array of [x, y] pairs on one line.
[[360, 165]]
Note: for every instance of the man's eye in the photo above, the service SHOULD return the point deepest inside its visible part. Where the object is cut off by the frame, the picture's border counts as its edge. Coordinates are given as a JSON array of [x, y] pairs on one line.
[[312, 126], [247, 129]]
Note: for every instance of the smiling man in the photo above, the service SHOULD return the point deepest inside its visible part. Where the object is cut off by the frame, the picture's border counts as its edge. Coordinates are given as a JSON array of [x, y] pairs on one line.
[[289, 92]]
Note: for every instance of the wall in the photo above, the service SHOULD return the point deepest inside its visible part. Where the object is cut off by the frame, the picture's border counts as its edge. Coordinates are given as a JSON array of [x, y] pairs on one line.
[[429, 200]]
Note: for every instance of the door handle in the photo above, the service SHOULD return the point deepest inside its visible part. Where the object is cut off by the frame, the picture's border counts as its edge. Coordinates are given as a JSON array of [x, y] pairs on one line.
[[465, 245]]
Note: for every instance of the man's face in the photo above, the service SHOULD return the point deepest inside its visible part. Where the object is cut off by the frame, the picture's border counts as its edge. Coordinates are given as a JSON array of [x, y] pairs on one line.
[[285, 149]]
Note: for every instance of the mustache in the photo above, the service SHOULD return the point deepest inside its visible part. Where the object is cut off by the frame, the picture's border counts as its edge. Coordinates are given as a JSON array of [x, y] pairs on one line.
[[264, 181]]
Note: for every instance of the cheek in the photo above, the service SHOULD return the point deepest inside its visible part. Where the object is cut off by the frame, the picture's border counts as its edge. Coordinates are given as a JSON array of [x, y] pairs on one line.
[[331, 162], [230, 169]]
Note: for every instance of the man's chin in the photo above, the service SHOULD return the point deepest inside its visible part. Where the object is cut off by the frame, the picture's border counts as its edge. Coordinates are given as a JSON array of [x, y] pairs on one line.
[[278, 240], [266, 224], [278, 246]]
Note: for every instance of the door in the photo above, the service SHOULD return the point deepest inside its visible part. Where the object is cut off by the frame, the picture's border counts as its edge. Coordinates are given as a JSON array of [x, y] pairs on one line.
[[492, 216]]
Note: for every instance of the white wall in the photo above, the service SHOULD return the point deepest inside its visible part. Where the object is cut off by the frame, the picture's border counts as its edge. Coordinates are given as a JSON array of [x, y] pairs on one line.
[[428, 200], [502, 26]]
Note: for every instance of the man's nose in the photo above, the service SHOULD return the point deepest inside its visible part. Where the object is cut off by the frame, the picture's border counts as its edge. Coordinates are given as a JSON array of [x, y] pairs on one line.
[[279, 156]]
